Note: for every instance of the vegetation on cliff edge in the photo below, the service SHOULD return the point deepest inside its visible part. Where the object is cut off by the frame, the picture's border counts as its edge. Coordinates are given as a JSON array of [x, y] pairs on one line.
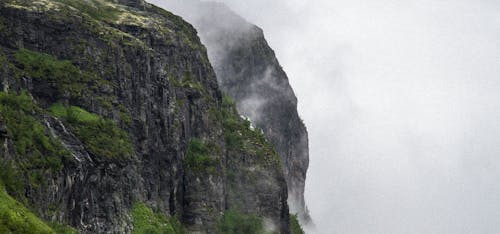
[[295, 225], [101, 136], [240, 135]]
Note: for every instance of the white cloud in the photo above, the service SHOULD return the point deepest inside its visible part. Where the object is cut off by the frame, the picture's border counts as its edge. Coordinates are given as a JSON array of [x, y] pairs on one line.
[[402, 103]]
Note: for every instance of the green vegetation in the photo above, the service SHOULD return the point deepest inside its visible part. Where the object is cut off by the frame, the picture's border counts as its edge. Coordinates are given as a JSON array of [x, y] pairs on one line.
[[125, 116], [148, 222], [6, 67], [62, 75], [41, 152], [239, 135], [295, 225], [184, 31], [11, 177], [187, 81], [237, 222], [237, 130], [15, 218], [101, 136], [198, 157], [95, 9], [232, 124]]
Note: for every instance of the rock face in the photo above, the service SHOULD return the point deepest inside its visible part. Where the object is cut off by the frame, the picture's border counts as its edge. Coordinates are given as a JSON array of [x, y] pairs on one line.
[[248, 71], [136, 78]]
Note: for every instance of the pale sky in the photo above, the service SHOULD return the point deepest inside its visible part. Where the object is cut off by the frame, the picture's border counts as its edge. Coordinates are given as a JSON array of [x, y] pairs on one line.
[[402, 103]]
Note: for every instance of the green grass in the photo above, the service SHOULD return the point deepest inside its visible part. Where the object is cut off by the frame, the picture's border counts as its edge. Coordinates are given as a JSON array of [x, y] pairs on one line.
[[295, 227], [198, 157], [148, 222], [94, 9], [237, 222], [46, 66], [16, 219], [40, 151], [101, 136], [11, 176], [61, 75], [39, 154]]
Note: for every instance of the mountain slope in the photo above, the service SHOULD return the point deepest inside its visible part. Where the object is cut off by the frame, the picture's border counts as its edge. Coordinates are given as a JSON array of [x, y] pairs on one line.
[[248, 71], [113, 122]]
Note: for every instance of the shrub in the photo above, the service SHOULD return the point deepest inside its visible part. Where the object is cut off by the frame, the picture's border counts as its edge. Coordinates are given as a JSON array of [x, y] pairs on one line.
[[11, 177], [232, 125], [237, 222], [295, 225], [148, 222], [198, 157], [101, 136], [240, 136], [30, 137]]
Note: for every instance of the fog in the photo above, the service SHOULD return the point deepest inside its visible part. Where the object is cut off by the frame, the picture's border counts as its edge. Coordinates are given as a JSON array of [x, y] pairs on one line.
[[402, 103]]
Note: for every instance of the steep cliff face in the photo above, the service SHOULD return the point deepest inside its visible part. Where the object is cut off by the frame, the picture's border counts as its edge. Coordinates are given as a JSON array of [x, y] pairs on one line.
[[248, 71], [111, 112]]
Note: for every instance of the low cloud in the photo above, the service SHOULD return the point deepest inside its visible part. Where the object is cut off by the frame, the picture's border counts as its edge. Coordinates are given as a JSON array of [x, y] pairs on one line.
[[402, 106]]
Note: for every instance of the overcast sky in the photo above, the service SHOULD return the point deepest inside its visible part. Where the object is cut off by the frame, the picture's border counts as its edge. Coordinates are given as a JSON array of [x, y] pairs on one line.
[[402, 103]]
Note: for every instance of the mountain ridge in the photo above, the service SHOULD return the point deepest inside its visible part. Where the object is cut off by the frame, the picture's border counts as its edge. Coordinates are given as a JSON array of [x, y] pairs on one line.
[[247, 70], [132, 131]]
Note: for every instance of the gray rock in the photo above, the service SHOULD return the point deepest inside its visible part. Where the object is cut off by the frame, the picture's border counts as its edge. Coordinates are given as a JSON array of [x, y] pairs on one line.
[[248, 71], [149, 64]]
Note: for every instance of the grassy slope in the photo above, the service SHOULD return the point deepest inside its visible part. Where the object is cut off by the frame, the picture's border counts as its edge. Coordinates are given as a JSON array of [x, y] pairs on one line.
[[15, 218], [148, 222]]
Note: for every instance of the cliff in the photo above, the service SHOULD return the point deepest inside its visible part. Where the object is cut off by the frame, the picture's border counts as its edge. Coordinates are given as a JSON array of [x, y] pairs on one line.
[[112, 121], [248, 71]]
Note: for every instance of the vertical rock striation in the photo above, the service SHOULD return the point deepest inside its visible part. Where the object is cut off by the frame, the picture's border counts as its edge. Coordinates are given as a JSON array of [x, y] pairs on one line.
[[248, 71], [124, 109]]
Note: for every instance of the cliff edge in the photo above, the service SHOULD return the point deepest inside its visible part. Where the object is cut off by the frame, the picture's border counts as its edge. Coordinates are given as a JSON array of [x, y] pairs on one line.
[[112, 121], [248, 71]]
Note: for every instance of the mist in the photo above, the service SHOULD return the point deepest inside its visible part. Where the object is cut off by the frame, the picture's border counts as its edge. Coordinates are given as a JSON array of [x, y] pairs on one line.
[[402, 102]]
